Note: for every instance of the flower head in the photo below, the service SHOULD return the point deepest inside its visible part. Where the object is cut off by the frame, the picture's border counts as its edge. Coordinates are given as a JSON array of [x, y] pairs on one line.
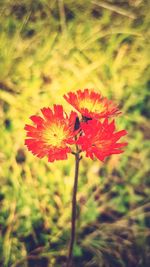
[[51, 133], [99, 139], [91, 104]]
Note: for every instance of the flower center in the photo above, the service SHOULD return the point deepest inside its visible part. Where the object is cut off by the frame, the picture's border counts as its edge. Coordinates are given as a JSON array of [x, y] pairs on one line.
[[102, 143], [55, 135], [92, 105]]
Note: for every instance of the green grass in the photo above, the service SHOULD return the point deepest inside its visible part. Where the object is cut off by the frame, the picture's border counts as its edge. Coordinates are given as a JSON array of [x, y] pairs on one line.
[[48, 48]]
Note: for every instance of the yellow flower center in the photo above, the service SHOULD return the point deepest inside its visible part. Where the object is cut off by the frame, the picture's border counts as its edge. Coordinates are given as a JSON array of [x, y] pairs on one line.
[[102, 143], [92, 105], [55, 135]]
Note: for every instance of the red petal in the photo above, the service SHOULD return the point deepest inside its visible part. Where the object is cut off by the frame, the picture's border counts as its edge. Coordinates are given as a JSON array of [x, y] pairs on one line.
[[37, 119], [29, 128], [47, 112]]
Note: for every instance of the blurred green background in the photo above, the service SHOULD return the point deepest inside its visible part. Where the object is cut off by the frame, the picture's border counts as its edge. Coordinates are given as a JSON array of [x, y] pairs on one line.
[[48, 48]]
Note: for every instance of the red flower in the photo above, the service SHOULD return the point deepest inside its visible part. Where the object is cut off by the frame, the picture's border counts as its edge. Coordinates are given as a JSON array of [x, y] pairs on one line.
[[51, 135], [91, 104], [99, 139]]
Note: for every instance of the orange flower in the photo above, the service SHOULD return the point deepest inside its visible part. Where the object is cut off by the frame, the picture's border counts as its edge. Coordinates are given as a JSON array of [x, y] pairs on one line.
[[99, 139], [91, 104], [51, 135]]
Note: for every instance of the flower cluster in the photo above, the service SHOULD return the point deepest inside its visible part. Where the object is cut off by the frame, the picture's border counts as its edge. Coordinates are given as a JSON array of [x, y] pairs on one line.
[[54, 133]]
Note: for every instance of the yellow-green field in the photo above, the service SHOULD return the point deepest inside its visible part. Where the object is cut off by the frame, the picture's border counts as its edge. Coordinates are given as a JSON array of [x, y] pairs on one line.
[[48, 48]]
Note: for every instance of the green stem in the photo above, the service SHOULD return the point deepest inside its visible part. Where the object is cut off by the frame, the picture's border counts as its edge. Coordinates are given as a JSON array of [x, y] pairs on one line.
[[74, 204]]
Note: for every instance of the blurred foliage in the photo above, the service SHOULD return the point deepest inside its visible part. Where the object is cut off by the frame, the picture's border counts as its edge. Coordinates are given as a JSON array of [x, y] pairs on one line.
[[48, 48]]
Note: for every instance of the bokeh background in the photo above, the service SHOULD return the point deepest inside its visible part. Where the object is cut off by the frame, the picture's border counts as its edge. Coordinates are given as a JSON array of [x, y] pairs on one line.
[[48, 48]]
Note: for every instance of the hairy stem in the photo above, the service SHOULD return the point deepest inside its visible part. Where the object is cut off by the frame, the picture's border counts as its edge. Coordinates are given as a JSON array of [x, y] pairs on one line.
[[74, 203]]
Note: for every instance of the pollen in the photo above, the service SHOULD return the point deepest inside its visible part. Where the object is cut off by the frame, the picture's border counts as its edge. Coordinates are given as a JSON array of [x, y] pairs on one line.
[[55, 135], [102, 143], [92, 105]]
